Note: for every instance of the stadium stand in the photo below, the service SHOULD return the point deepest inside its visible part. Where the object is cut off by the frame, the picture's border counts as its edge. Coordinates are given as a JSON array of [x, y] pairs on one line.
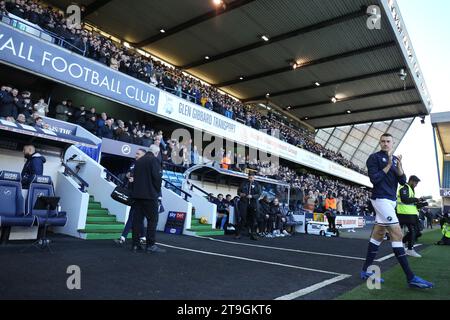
[[121, 58], [354, 199]]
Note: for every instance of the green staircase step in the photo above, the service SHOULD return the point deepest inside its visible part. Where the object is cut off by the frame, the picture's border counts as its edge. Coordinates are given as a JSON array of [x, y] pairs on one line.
[[210, 233], [94, 206], [101, 219], [98, 211], [104, 236], [103, 227], [204, 227], [99, 215]]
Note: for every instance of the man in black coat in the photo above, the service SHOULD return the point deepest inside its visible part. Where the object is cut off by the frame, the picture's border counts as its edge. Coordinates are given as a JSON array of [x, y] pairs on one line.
[[250, 192], [145, 194], [33, 167], [8, 104]]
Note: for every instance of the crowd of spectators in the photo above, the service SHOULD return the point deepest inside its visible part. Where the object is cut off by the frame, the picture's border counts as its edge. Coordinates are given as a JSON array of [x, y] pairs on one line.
[[126, 60], [272, 219], [309, 191]]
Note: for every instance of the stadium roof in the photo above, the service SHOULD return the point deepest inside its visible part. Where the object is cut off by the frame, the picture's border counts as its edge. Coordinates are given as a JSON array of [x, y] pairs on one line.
[[441, 121], [330, 41]]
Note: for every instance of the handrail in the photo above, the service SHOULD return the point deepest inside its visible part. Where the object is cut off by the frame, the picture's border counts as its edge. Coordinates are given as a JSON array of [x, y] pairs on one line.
[[112, 178], [13, 22], [68, 172], [185, 194], [173, 165], [193, 186]]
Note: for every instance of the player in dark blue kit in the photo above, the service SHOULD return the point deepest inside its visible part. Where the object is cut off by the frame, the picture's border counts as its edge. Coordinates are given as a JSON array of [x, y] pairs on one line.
[[386, 172]]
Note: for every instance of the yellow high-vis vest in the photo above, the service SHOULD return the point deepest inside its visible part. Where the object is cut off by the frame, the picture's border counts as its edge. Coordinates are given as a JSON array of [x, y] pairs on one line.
[[446, 230], [409, 209]]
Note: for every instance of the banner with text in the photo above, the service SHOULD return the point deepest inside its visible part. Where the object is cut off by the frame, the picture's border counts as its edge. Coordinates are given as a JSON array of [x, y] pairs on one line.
[[192, 115], [41, 57]]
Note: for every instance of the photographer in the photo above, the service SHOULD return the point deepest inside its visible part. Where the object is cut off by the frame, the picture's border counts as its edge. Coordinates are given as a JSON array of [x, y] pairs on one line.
[[445, 225], [408, 213]]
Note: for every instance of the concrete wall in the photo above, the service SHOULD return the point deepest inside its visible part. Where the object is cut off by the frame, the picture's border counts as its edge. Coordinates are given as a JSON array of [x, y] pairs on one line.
[[74, 202]]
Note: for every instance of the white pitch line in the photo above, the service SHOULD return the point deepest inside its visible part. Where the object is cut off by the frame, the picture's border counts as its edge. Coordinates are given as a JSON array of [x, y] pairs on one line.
[[252, 260], [315, 287], [385, 258], [284, 249], [392, 255]]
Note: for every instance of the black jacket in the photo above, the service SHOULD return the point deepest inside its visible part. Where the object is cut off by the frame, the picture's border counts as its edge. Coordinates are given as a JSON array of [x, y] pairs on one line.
[[264, 208], [8, 107], [91, 126], [106, 132], [254, 190], [404, 196], [33, 167], [147, 178], [275, 210]]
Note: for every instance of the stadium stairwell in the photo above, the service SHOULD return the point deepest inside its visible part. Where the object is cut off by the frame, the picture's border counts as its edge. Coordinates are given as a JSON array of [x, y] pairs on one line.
[[203, 230], [100, 224]]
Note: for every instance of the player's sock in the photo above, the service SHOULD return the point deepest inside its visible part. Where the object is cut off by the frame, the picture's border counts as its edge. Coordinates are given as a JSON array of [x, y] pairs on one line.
[[399, 251], [372, 251]]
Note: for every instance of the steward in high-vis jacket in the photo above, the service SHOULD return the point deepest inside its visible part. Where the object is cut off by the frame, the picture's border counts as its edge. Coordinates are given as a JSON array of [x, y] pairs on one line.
[[408, 207]]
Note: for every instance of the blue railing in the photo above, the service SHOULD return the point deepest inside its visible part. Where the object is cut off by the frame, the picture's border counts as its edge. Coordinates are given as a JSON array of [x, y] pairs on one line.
[[68, 172], [174, 188], [112, 178]]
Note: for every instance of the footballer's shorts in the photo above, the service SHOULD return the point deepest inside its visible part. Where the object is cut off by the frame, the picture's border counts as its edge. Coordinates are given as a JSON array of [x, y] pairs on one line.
[[385, 212]]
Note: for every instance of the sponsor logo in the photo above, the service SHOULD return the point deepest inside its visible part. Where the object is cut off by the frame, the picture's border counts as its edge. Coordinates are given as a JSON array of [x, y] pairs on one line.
[[10, 176], [43, 180], [126, 149]]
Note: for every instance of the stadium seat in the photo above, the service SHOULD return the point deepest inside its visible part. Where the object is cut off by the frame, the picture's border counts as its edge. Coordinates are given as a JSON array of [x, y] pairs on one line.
[[12, 213], [42, 186]]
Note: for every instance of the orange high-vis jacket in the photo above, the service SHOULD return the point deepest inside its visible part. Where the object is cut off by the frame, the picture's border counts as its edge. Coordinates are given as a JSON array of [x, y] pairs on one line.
[[330, 204], [226, 163]]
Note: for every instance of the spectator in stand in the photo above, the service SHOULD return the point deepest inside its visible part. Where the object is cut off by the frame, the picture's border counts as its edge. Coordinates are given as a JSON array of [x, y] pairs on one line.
[[39, 123], [195, 156], [8, 106], [80, 116], [147, 139], [91, 124], [21, 119], [92, 113], [63, 112], [101, 121], [24, 105], [339, 207], [106, 131], [41, 107], [226, 161]]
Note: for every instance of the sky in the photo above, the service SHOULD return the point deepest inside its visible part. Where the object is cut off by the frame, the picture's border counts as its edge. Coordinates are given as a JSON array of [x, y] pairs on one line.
[[428, 26]]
